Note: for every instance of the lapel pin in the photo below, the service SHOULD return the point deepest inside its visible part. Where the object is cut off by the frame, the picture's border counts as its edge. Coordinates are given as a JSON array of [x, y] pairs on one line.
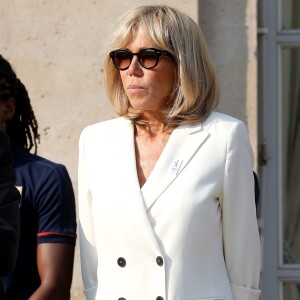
[[175, 166]]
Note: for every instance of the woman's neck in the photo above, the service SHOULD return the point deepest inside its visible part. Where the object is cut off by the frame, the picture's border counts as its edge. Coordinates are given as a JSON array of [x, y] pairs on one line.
[[155, 125]]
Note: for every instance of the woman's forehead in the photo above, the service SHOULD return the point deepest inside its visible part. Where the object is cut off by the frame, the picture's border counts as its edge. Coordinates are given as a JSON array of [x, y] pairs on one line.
[[141, 36]]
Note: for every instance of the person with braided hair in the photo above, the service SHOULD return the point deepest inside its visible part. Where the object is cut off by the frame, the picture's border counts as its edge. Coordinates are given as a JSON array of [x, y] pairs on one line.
[[44, 265]]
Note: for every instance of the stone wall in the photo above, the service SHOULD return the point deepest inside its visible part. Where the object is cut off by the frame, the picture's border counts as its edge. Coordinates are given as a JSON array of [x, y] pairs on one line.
[[230, 28], [56, 48]]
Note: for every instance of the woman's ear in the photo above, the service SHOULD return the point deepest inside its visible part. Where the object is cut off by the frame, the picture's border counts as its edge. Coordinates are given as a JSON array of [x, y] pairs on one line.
[[10, 108]]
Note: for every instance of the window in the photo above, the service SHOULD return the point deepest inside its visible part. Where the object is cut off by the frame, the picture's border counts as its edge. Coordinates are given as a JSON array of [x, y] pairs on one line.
[[279, 67]]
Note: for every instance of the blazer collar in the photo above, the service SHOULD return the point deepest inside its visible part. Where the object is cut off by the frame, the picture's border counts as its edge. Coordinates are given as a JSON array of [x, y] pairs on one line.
[[183, 143], [135, 202]]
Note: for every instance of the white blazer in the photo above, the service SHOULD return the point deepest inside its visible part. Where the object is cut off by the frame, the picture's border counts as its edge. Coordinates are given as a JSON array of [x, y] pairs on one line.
[[190, 233]]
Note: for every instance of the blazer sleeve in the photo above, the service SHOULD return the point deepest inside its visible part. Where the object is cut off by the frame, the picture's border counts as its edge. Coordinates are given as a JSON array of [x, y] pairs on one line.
[[9, 210], [88, 253], [240, 230]]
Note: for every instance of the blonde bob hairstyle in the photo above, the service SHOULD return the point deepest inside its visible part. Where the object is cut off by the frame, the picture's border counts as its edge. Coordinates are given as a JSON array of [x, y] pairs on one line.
[[196, 91]]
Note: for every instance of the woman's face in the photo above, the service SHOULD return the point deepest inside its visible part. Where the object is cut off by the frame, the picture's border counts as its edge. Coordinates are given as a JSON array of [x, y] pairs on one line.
[[148, 89]]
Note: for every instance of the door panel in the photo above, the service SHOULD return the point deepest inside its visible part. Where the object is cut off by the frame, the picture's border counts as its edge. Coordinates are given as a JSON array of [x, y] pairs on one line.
[[290, 107]]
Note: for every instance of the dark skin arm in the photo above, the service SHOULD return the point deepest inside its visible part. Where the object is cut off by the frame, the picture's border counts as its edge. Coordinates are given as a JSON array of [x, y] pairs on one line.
[[55, 266]]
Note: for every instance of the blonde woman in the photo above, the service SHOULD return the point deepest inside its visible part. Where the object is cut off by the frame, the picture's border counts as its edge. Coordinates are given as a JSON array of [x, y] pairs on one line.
[[166, 197]]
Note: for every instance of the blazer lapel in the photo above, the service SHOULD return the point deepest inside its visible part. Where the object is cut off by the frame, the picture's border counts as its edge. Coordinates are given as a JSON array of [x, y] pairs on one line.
[[128, 191], [183, 143]]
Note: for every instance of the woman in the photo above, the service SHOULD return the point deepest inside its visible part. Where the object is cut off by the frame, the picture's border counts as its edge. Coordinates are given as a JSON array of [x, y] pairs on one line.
[[166, 198]]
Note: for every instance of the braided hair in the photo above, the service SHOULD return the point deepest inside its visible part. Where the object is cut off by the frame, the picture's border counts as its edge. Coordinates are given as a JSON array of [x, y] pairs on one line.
[[23, 127]]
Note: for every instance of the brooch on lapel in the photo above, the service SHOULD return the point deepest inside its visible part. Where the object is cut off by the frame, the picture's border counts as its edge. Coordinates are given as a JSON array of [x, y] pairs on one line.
[[175, 166]]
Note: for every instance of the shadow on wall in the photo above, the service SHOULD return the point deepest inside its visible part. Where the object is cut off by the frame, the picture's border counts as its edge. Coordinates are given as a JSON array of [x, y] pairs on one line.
[[225, 29]]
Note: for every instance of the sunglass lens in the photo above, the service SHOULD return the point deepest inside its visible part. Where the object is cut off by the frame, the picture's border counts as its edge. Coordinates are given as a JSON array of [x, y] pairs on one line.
[[122, 59], [148, 58]]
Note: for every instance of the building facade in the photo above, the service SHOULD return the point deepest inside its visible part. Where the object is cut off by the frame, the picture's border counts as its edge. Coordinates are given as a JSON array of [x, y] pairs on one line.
[[57, 49]]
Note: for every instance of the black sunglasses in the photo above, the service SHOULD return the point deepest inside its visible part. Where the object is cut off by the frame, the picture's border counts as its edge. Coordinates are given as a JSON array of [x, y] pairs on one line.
[[148, 57]]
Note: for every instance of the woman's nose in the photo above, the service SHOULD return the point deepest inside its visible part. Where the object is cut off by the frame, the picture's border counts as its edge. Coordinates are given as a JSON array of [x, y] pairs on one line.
[[135, 68]]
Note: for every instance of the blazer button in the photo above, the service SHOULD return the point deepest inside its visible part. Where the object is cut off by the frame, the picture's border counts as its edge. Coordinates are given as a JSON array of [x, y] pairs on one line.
[[122, 263], [160, 262], [159, 298]]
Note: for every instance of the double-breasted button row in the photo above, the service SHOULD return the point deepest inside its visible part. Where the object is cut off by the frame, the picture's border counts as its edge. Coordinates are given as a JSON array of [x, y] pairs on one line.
[[122, 262]]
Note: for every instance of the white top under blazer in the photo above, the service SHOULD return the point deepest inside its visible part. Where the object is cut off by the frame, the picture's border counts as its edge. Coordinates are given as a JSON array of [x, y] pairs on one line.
[[190, 233]]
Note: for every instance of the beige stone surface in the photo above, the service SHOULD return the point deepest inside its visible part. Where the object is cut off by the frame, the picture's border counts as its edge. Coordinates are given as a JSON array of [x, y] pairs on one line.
[[231, 32], [56, 48]]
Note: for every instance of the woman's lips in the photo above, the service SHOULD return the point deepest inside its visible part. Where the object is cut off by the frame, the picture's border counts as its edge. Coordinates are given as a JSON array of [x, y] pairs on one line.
[[135, 88]]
